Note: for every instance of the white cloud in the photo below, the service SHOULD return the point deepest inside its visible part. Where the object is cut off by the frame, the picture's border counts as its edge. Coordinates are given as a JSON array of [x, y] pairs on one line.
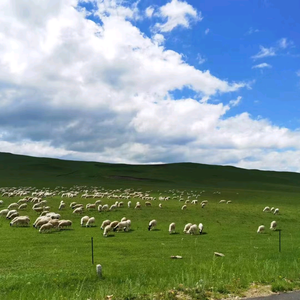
[[200, 59], [177, 13], [284, 43], [261, 66], [206, 31], [264, 52], [298, 73], [71, 88], [149, 11], [251, 31]]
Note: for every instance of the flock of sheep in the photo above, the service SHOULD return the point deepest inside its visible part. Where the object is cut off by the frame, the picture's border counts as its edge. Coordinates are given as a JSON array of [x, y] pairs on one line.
[[49, 221]]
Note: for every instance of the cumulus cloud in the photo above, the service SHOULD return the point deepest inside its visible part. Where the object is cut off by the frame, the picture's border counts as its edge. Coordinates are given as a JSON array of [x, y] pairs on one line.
[[264, 52], [102, 90], [177, 13], [261, 66]]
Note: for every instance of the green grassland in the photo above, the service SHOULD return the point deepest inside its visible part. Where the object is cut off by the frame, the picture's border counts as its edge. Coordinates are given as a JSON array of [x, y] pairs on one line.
[[137, 264]]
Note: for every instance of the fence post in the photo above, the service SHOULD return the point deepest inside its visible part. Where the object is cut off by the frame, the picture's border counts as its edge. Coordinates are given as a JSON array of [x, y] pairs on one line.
[[92, 250]]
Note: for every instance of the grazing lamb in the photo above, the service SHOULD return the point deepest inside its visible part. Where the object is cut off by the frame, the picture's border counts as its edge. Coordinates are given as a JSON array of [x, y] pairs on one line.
[[20, 221], [90, 222], [107, 229], [46, 227], [64, 223], [276, 211], [84, 220], [172, 228], [273, 225], [152, 224], [187, 227], [200, 228], [105, 223], [183, 207], [261, 229], [193, 229], [266, 209]]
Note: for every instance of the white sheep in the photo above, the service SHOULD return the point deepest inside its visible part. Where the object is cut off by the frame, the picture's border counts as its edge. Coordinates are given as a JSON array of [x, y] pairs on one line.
[[152, 224], [99, 208], [11, 214], [107, 229], [20, 221], [64, 223], [138, 205], [273, 225], [203, 204], [1, 202], [261, 229], [40, 222], [123, 225], [183, 207], [105, 223], [105, 207], [200, 226], [22, 206], [123, 219], [160, 205], [90, 222], [266, 209], [84, 220], [78, 210], [276, 211], [222, 201], [46, 227], [4, 212], [172, 228], [129, 204], [187, 227], [62, 205], [192, 229], [13, 205], [53, 215], [113, 207]]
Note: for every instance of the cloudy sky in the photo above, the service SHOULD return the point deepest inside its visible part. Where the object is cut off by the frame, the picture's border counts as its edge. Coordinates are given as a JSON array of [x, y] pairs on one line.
[[152, 81]]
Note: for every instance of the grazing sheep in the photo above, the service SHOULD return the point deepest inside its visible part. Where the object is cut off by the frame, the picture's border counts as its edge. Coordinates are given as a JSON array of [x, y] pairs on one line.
[[64, 223], [22, 206], [20, 221], [261, 229], [90, 222], [4, 212], [72, 204], [1, 202], [53, 215], [62, 205], [203, 204], [160, 205], [42, 221], [97, 202], [46, 227], [120, 204], [13, 205], [90, 206], [195, 201], [114, 223], [192, 229], [78, 210], [107, 229], [183, 207], [113, 207], [200, 228], [187, 227], [266, 209], [129, 204], [147, 203], [84, 220], [222, 201], [229, 201], [138, 205], [152, 224], [123, 219], [273, 225], [276, 211], [272, 208], [105, 207], [105, 223], [54, 222], [123, 225], [11, 214], [99, 208], [172, 228]]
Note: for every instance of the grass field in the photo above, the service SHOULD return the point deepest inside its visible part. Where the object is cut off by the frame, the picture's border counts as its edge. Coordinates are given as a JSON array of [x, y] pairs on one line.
[[137, 264]]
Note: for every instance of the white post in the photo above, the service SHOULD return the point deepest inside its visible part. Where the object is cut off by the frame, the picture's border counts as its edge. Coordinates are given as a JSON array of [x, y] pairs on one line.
[[99, 270]]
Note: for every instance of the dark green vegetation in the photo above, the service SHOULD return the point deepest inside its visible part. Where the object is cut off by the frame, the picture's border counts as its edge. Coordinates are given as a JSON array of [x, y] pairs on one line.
[[137, 264]]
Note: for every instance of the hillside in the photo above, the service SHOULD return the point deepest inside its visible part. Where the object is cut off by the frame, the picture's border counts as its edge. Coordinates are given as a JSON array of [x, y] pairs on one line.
[[20, 170]]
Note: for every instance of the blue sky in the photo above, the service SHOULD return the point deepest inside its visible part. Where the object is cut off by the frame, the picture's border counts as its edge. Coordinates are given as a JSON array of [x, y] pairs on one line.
[[214, 82]]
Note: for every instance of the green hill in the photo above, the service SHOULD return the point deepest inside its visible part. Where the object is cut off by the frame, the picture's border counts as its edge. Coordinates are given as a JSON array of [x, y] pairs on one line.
[[20, 170]]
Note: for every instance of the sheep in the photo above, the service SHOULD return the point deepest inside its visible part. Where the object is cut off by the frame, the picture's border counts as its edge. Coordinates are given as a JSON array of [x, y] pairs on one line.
[[41, 222], [1, 202], [129, 204], [38, 209], [276, 211], [160, 205], [20, 221], [78, 210], [123, 219], [22, 206], [183, 207], [90, 206], [72, 204], [46, 227], [78, 205], [64, 223], [107, 229], [120, 204], [62, 205], [123, 225], [203, 204], [261, 229], [187, 227], [99, 208], [11, 214], [13, 205], [97, 202], [222, 201], [84, 220], [273, 225], [152, 224], [53, 215], [114, 223], [192, 229], [105, 223], [113, 207], [90, 222], [172, 228], [147, 203], [200, 228], [266, 209], [272, 208], [195, 201], [54, 222], [137, 205], [4, 212], [229, 201], [105, 207]]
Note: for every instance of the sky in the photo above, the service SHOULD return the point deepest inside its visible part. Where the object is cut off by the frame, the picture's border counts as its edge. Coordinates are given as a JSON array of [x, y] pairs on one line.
[[160, 81]]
